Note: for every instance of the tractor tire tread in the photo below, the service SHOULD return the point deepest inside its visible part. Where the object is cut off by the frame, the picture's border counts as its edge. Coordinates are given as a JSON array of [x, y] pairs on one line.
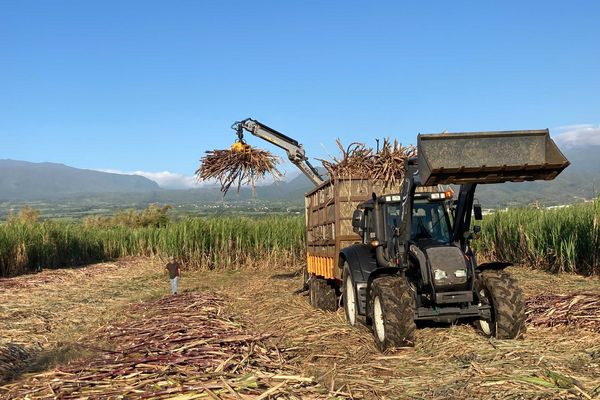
[[399, 312], [509, 303]]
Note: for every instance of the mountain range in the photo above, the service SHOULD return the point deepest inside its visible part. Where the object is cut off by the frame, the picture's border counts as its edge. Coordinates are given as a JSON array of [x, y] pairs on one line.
[[22, 180], [25, 181]]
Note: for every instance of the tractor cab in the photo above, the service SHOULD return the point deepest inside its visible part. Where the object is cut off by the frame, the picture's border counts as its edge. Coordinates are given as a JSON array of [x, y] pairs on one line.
[[429, 219]]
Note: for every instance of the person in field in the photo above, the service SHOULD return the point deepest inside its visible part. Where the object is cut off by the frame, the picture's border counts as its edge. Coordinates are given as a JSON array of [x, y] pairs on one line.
[[174, 269]]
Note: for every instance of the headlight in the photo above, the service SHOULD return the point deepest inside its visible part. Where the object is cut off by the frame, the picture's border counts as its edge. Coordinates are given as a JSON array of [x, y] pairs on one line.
[[460, 273], [438, 275]]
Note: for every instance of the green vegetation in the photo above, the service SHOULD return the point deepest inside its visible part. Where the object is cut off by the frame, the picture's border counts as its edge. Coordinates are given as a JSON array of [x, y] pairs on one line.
[[223, 242], [557, 240], [153, 216]]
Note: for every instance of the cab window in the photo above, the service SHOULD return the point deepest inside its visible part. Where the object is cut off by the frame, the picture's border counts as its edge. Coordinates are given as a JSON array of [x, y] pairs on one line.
[[429, 220]]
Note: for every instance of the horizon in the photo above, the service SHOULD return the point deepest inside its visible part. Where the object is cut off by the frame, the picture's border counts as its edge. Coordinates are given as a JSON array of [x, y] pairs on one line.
[[568, 140]]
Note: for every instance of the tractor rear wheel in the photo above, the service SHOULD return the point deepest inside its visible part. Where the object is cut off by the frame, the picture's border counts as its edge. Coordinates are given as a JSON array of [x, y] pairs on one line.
[[393, 313], [502, 293], [349, 296], [322, 295]]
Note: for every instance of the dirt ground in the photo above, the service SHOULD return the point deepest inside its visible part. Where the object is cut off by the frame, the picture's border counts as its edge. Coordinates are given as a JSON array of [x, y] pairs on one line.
[[48, 312]]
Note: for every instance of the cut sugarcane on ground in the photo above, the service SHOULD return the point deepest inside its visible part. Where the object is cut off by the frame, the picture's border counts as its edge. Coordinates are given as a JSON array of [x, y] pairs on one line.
[[580, 309], [43, 315], [447, 362], [182, 346]]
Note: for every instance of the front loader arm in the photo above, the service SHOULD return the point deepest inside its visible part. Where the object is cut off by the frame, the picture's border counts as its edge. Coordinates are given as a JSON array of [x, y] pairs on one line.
[[294, 150]]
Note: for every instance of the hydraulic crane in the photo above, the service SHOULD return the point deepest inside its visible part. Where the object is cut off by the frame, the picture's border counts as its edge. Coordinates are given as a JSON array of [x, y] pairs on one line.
[[294, 150]]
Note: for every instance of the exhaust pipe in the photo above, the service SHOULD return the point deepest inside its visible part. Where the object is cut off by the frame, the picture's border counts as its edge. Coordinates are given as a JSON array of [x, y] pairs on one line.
[[380, 257]]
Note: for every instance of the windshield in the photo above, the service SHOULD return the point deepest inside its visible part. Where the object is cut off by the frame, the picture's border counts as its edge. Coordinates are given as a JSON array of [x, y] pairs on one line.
[[430, 221]]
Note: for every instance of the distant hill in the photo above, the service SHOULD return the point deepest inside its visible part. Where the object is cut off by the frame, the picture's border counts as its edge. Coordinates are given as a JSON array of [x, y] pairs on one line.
[[25, 181], [22, 180], [580, 181]]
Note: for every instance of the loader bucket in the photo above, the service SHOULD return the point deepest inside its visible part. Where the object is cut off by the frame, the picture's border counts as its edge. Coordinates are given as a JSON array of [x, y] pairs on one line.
[[488, 157]]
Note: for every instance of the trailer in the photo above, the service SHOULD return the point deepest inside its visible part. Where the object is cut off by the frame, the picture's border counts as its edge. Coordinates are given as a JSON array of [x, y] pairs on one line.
[[329, 209]]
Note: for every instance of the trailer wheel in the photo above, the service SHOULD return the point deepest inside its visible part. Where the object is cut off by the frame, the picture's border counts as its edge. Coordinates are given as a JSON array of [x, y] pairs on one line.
[[305, 278], [322, 295], [349, 296], [393, 313], [502, 292]]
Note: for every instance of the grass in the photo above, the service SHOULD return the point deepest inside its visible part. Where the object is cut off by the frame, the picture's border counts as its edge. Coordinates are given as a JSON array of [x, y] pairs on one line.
[[224, 242], [556, 240], [563, 240]]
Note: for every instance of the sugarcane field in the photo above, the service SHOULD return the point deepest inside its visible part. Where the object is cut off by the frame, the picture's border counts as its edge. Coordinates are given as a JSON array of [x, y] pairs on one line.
[[299, 200]]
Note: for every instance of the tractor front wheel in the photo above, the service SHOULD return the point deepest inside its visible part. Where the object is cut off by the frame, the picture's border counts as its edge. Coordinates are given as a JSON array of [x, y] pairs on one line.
[[349, 296], [393, 313], [502, 293]]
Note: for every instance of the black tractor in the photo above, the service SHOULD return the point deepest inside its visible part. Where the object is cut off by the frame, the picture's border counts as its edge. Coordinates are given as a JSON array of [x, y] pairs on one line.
[[415, 262]]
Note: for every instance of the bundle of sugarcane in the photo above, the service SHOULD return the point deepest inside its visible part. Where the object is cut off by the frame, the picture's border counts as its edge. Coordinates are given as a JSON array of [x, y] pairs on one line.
[[241, 164], [355, 161], [581, 310], [388, 164]]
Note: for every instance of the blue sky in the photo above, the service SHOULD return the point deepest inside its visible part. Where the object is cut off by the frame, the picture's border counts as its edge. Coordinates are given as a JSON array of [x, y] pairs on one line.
[[150, 85]]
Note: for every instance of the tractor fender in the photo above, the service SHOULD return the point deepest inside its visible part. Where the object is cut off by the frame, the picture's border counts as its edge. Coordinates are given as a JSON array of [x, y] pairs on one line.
[[361, 262], [494, 265]]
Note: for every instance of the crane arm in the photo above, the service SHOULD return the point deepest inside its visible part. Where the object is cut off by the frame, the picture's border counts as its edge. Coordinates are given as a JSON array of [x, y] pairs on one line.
[[294, 150]]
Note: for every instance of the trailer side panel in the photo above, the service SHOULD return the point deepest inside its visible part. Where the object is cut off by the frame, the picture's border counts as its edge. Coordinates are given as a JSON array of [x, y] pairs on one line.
[[329, 210]]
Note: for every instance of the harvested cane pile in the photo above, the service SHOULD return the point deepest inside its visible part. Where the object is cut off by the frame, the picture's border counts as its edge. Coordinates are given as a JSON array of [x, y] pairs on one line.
[[177, 346], [241, 164], [13, 358], [581, 310], [387, 165]]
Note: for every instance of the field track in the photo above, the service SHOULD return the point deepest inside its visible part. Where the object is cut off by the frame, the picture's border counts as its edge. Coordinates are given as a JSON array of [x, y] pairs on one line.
[[47, 314]]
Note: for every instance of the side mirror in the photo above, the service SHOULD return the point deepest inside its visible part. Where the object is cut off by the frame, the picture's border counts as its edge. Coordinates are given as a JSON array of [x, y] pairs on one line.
[[477, 212], [357, 220]]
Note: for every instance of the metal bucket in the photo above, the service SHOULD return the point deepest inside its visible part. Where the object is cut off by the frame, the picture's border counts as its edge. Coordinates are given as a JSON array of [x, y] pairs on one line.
[[488, 157]]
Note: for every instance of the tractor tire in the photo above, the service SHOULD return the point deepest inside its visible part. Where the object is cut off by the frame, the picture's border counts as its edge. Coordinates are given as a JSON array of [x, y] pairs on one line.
[[322, 295], [393, 313], [502, 292], [350, 297]]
